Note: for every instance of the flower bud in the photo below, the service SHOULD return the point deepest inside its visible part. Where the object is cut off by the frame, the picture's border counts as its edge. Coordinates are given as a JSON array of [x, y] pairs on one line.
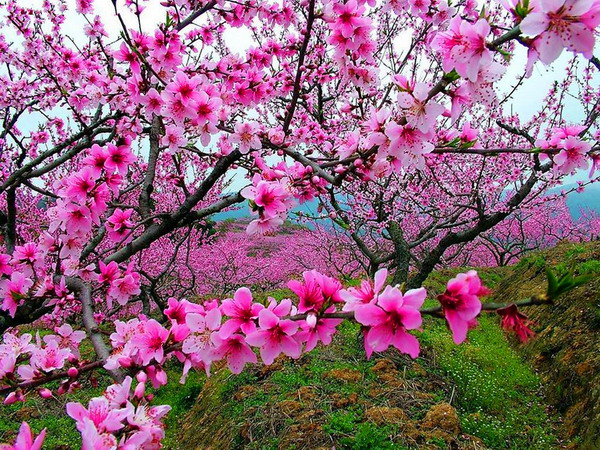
[[311, 320], [141, 377], [139, 390], [11, 398], [72, 372], [45, 393]]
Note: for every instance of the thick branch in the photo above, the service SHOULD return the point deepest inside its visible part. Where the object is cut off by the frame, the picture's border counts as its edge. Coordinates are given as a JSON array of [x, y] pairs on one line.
[[87, 310], [172, 221]]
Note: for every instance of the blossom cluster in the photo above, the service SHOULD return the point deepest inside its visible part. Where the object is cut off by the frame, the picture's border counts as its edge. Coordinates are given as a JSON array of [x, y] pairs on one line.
[[198, 335]]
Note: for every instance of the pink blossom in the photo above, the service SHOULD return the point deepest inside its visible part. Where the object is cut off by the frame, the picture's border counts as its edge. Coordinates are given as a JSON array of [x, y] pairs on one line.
[[573, 156], [119, 158], [274, 336], [108, 272], [124, 288], [5, 268], [246, 135], [13, 291], [390, 318], [242, 312], [178, 310], [420, 113], [119, 224], [366, 293], [67, 338], [264, 225], [309, 292], [563, 24], [81, 184], [25, 439], [237, 352], [463, 47], [322, 330], [268, 197], [77, 219], [173, 138], [152, 101], [50, 357], [513, 320], [202, 328], [461, 304], [100, 412], [150, 343]]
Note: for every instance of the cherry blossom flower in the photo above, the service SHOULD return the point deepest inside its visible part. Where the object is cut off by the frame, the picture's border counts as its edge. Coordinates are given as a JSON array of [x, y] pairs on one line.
[[119, 158], [562, 24], [50, 357], [246, 136], [150, 343], [235, 349], [242, 313], [461, 304], [420, 113], [573, 156], [100, 412], [390, 318], [13, 291], [119, 224], [366, 293], [274, 336], [25, 439], [513, 320], [152, 101], [173, 138], [5, 268], [322, 330]]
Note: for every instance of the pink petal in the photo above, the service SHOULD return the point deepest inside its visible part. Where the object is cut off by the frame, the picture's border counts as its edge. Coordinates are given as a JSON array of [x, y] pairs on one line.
[[267, 319], [229, 327], [406, 343], [458, 326], [380, 337], [534, 24], [380, 277], [411, 318], [415, 297], [369, 315]]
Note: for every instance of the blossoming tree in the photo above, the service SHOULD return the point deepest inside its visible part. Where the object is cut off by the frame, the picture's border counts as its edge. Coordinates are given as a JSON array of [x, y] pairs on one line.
[[117, 146]]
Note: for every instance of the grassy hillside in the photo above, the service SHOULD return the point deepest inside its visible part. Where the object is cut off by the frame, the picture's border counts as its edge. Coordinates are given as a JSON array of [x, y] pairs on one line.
[[567, 349], [477, 395]]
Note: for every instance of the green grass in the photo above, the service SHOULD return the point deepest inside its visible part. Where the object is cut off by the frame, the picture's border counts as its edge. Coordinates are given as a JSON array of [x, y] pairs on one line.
[[497, 394]]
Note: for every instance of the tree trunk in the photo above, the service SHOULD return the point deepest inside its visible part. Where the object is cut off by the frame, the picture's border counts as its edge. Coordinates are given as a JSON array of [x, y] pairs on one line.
[[401, 253]]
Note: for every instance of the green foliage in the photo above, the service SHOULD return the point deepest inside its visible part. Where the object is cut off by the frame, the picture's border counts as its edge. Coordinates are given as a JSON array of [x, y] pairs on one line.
[[564, 283], [342, 422]]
